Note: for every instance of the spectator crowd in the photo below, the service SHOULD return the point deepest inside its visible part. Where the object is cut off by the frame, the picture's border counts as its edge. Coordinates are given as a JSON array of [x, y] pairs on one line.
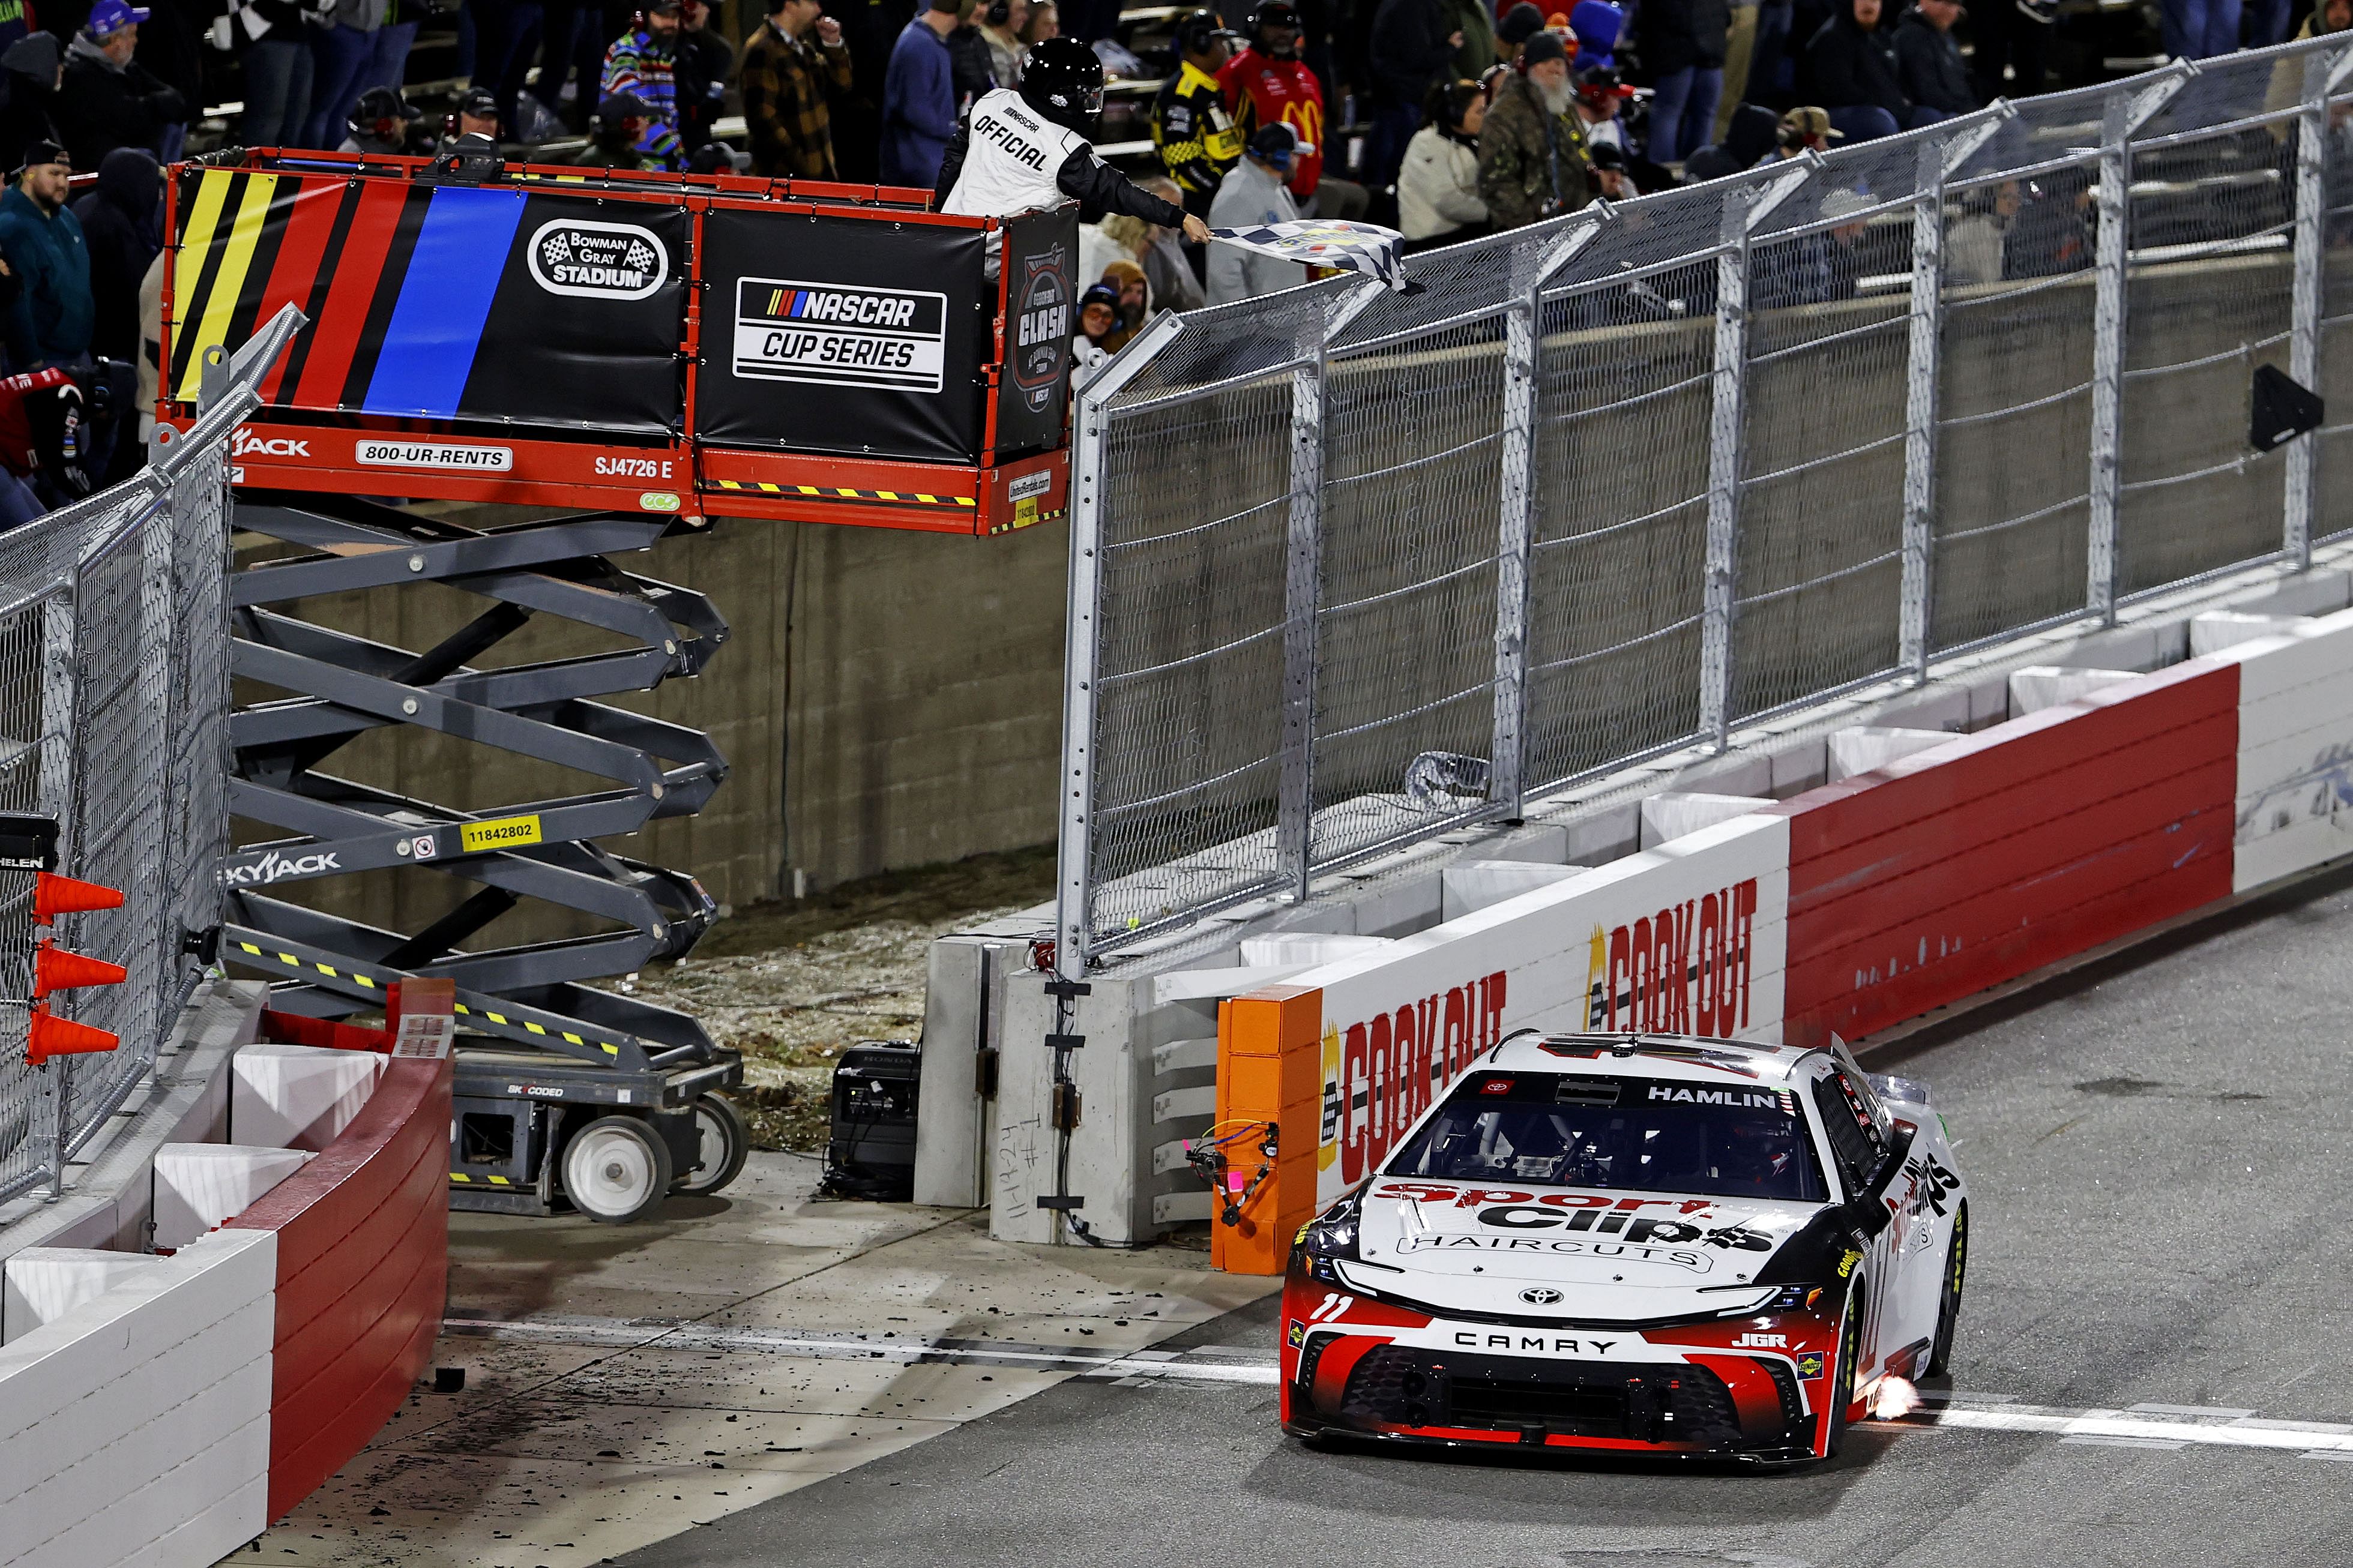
[[1447, 119]]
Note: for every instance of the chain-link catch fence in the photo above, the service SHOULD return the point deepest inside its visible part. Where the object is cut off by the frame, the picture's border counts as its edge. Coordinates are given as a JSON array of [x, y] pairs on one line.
[[1351, 569]]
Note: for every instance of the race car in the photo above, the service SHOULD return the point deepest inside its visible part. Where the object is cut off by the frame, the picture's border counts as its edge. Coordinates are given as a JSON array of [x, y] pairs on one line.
[[1638, 1244]]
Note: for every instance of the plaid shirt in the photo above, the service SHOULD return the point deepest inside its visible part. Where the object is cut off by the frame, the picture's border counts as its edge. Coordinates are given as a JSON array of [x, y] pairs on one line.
[[786, 83]]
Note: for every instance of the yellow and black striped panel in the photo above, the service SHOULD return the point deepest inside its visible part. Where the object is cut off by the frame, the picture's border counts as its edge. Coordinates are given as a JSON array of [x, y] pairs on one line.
[[838, 492], [308, 967], [1024, 517], [219, 238]]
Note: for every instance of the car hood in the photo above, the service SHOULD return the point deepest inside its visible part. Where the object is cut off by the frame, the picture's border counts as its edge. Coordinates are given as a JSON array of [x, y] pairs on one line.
[[1611, 1255]]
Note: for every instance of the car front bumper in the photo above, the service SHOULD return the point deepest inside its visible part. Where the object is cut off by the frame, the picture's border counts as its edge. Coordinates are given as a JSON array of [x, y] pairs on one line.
[[1752, 1387]]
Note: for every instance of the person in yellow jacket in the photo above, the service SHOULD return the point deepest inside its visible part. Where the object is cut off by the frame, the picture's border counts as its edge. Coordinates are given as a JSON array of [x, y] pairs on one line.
[[1198, 140]]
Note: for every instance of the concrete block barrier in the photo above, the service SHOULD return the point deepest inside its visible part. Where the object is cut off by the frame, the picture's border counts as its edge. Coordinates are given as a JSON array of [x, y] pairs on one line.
[[165, 1409], [298, 1097], [1933, 869]]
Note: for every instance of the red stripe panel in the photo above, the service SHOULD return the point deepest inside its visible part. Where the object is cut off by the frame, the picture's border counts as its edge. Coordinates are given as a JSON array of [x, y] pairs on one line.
[[1948, 873], [335, 339], [319, 1315], [300, 253], [317, 1431], [362, 1263]]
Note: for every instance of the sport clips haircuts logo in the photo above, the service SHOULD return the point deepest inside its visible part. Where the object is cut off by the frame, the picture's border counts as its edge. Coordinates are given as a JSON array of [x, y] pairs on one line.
[[599, 260]]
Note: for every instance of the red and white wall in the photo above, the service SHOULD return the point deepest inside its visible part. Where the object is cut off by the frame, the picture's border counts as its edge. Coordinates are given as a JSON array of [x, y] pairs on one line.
[[171, 1418], [1847, 909]]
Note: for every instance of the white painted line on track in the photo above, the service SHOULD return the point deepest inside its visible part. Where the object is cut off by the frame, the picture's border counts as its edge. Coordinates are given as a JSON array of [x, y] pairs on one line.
[[2315, 1439], [847, 1347], [2165, 1426]]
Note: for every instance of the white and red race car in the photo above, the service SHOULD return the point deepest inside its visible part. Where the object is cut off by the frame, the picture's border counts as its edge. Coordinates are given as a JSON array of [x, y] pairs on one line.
[[1639, 1244]]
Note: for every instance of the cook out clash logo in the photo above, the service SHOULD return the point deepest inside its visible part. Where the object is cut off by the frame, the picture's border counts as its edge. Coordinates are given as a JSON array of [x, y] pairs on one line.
[[1379, 1074], [1687, 970]]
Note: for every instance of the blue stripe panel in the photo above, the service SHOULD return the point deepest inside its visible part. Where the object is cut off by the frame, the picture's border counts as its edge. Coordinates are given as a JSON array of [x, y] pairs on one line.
[[437, 323]]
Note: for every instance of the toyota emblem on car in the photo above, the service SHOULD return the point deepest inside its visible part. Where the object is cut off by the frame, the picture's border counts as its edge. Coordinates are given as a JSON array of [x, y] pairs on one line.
[[1540, 1296]]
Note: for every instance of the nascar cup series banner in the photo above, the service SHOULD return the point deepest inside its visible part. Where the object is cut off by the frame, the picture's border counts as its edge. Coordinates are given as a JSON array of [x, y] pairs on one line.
[[437, 301], [834, 335]]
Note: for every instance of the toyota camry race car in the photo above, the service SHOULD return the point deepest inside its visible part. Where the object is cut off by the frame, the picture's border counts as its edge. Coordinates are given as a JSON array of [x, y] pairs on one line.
[[1641, 1244]]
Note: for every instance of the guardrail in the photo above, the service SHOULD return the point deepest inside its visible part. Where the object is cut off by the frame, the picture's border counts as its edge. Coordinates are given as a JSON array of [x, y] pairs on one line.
[[1351, 569]]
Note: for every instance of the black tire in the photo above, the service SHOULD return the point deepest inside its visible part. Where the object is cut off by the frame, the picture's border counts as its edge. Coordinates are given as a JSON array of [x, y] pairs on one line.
[[1948, 1304], [1850, 1352], [616, 1169], [725, 1140]]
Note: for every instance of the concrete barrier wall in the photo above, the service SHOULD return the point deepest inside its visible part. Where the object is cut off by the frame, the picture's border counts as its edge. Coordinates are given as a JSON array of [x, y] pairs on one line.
[[363, 1259], [1894, 894], [136, 1428], [170, 1419]]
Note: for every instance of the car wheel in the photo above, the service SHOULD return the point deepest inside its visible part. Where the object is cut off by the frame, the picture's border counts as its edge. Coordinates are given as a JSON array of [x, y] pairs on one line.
[[615, 1170], [1850, 1352], [722, 1138], [1948, 1305]]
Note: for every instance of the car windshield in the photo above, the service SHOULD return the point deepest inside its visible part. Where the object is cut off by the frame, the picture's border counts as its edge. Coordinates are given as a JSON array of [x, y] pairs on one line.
[[1656, 1135]]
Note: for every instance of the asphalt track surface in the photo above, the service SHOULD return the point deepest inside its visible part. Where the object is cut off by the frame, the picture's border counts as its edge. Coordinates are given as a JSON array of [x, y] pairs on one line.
[[2160, 1148]]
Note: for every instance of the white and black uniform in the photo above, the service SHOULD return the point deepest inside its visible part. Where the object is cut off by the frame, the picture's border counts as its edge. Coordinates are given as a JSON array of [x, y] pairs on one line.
[[1007, 158]]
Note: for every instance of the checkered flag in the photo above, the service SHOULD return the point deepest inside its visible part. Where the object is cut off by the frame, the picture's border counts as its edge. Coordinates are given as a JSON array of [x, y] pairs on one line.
[[1365, 247]]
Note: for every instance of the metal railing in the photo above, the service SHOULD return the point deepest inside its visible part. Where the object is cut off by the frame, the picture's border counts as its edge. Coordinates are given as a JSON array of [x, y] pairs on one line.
[[114, 691], [1350, 569]]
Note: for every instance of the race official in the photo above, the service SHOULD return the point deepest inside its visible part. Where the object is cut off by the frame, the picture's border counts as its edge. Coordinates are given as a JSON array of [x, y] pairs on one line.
[[1024, 148], [1269, 84], [1197, 138]]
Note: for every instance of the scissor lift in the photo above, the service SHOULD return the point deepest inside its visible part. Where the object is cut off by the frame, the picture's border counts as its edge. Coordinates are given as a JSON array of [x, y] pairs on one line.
[[551, 1060]]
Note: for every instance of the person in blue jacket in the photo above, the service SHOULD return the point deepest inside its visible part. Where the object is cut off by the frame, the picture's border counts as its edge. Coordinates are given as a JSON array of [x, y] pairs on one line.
[[52, 319], [919, 99], [41, 239]]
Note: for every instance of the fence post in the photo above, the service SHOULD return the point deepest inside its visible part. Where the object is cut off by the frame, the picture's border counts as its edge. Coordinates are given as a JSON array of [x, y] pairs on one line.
[[1923, 367], [1302, 584], [1745, 206], [1725, 420], [1507, 753], [1090, 453], [54, 784], [2120, 115], [1939, 160], [2323, 71]]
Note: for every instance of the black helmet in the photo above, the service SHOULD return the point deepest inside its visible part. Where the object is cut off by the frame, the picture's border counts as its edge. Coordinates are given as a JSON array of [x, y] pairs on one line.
[[1276, 13], [1197, 31], [1064, 81], [381, 113]]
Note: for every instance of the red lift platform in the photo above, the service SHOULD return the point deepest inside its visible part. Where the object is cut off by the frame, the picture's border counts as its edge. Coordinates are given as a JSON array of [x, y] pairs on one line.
[[697, 345]]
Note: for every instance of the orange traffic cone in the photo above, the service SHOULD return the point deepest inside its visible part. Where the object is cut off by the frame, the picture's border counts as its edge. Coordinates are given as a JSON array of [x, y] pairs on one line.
[[54, 969], [54, 895], [53, 1036]]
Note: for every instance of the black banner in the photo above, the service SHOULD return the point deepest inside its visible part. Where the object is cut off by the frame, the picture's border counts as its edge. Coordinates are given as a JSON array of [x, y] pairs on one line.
[[847, 335], [1041, 308], [585, 323]]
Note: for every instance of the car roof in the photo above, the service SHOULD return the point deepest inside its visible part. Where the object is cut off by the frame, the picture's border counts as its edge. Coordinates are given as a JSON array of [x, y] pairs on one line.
[[1695, 1059]]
